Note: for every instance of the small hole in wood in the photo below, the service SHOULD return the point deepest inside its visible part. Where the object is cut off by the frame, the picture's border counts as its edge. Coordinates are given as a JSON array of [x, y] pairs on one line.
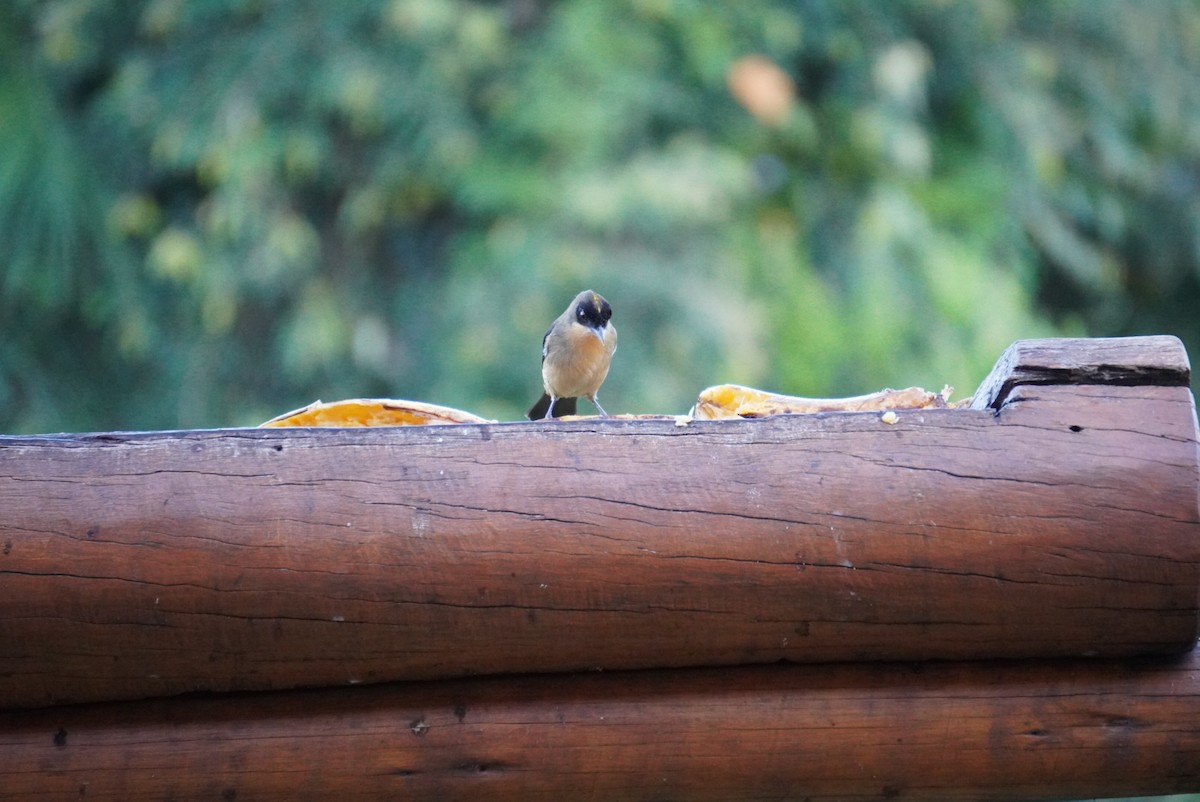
[[1075, 428]]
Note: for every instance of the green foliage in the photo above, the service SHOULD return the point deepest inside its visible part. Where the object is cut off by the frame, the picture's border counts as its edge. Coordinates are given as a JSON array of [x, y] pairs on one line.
[[211, 212]]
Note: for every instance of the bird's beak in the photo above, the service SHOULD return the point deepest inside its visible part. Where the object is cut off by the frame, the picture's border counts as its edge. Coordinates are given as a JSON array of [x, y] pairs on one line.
[[600, 332]]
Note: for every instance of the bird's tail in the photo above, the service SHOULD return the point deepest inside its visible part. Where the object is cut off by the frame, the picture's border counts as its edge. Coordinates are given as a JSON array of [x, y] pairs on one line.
[[562, 406]]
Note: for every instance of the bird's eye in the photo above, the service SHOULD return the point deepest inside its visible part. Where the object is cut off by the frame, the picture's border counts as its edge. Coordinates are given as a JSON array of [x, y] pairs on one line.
[[580, 312]]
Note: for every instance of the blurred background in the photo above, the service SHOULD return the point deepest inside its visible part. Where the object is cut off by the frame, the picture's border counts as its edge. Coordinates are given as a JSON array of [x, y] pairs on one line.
[[212, 212]]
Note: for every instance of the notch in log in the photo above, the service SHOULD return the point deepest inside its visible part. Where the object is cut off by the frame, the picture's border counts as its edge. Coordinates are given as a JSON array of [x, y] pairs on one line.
[[1158, 361]]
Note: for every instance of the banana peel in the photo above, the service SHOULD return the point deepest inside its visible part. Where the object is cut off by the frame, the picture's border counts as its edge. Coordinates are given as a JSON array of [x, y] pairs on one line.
[[372, 412], [735, 401]]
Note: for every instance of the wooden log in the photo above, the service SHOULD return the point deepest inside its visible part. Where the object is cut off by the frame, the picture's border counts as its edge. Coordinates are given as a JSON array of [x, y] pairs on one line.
[[969, 731], [1063, 523]]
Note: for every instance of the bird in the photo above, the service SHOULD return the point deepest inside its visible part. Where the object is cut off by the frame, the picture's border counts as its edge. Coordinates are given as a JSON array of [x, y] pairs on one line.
[[576, 352]]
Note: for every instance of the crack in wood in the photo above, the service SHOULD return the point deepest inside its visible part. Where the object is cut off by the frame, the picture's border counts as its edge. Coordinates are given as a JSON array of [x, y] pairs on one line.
[[1159, 361]]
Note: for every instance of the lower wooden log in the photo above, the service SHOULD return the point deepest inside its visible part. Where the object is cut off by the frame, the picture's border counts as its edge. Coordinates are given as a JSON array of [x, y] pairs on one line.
[[1012, 731]]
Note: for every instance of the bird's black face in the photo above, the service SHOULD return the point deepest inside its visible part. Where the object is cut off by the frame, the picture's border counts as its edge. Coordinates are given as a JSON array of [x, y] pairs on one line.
[[593, 312]]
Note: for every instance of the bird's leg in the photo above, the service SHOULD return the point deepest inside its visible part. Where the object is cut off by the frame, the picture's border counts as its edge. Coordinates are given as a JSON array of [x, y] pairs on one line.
[[550, 409], [592, 398]]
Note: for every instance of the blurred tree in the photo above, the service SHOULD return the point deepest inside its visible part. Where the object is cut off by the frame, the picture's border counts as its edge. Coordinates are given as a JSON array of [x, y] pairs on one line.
[[213, 211]]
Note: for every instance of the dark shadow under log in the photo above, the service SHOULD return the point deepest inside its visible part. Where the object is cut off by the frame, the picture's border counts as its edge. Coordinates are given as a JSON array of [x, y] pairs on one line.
[[967, 731]]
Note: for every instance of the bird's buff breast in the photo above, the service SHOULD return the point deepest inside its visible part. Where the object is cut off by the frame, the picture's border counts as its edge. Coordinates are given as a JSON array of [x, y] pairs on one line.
[[581, 369]]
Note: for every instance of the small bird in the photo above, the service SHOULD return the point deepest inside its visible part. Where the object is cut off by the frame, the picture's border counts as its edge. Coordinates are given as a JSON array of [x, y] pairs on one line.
[[576, 353]]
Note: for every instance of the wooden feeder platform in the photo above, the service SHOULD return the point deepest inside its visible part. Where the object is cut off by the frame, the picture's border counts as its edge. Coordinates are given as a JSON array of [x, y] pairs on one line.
[[998, 601]]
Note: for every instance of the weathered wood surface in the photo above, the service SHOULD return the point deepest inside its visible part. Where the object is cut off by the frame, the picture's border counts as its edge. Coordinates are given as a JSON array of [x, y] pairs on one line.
[[1145, 361], [969, 731], [136, 565]]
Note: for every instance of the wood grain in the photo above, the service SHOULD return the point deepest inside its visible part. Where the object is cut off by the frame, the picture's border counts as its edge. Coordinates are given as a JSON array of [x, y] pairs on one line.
[[967, 731], [1158, 361], [137, 565]]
